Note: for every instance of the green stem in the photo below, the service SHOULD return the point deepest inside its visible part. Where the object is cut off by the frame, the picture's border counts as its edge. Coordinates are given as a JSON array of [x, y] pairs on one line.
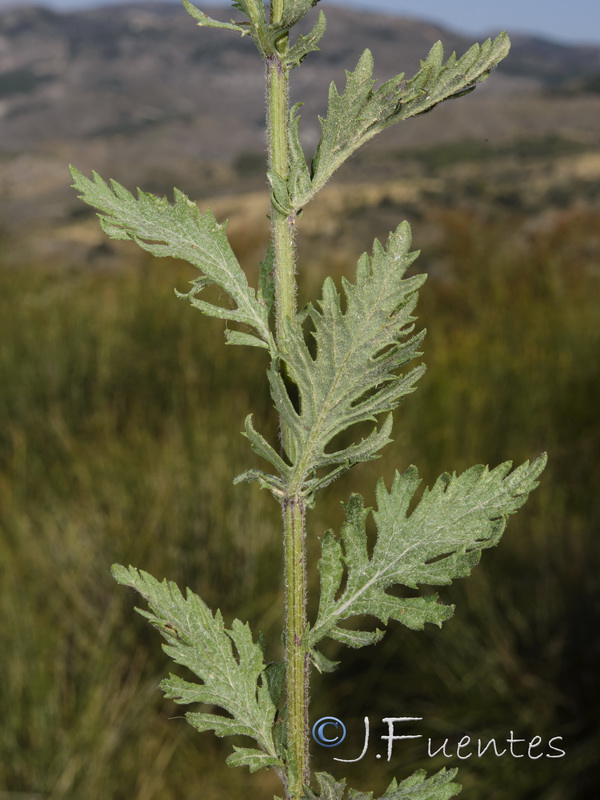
[[282, 227], [293, 507], [296, 656]]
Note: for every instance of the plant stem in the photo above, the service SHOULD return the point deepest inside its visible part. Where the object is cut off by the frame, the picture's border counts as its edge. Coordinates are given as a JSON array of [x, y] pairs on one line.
[[282, 227], [296, 657], [293, 507]]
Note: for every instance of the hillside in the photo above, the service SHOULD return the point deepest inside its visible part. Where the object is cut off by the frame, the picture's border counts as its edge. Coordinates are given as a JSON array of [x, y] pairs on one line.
[[139, 92]]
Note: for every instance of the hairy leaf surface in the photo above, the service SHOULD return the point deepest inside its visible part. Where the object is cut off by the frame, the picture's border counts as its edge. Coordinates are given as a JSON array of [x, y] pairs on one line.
[[353, 375], [440, 786], [228, 662], [179, 230], [361, 112], [440, 539]]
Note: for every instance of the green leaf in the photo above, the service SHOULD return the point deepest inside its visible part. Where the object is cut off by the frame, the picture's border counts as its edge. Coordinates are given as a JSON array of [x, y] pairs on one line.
[[265, 480], [179, 230], [258, 27], [329, 788], [437, 82], [208, 22], [262, 448], [280, 195], [254, 759], [275, 675], [238, 337], [299, 177], [418, 787], [266, 36], [306, 44], [253, 9], [353, 376], [361, 112], [295, 10], [275, 483], [322, 663], [228, 662], [266, 280], [440, 539]]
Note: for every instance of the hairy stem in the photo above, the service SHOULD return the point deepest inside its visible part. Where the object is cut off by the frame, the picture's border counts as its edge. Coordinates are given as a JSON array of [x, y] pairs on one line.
[[293, 507], [296, 657], [282, 227]]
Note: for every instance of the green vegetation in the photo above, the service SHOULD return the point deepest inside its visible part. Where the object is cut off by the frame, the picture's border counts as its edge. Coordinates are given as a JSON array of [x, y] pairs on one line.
[[111, 395]]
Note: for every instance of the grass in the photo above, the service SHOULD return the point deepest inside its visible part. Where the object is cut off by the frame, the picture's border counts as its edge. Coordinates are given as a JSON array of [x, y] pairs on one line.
[[121, 412]]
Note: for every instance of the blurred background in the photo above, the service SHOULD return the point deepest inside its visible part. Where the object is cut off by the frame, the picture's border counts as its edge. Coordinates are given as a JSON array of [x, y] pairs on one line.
[[121, 408]]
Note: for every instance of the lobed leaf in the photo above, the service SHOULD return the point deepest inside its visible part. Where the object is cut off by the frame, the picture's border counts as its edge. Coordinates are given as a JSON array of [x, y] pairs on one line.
[[228, 662], [353, 376], [439, 786], [179, 230], [361, 112], [306, 44], [441, 539]]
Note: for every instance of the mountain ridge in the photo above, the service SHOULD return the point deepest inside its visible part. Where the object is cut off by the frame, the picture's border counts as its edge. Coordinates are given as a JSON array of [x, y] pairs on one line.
[[103, 71], [139, 92]]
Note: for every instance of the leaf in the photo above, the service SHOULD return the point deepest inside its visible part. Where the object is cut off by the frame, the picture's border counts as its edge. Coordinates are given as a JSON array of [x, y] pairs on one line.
[[254, 759], [253, 9], [258, 28], [266, 280], [208, 22], [361, 112], [329, 788], [299, 177], [179, 230], [265, 480], [280, 195], [322, 663], [418, 787], [352, 378], [295, 10], [238, 337], [228, 662], [262, 448], [306, 44], [440, 539], [275, 675]]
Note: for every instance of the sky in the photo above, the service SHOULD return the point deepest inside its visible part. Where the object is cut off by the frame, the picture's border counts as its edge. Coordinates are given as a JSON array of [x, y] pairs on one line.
[[575, 21]]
